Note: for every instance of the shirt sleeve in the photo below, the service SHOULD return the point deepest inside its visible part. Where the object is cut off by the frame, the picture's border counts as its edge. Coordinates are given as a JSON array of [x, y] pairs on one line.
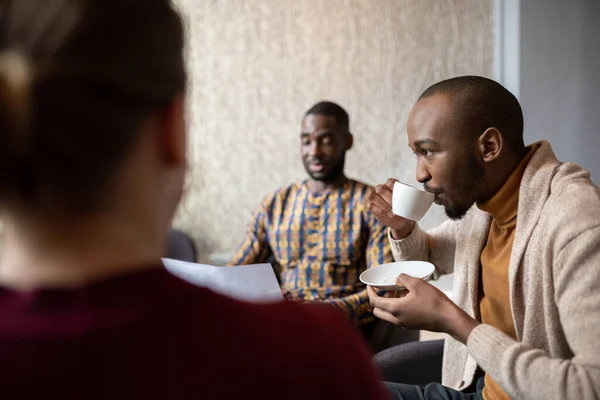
[[437, 246], [255, 248], [378, 248], [356, 307], [378, 251]]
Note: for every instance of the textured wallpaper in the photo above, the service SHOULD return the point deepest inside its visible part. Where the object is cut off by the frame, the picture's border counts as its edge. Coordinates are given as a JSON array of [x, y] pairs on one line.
[[256, 66]]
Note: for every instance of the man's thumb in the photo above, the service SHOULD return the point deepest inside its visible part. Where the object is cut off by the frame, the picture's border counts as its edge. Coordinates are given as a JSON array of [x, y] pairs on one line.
[[406, 281]]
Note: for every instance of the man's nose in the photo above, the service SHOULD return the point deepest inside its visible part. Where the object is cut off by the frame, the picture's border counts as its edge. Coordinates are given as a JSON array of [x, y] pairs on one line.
[[423, 174], [315, 150]]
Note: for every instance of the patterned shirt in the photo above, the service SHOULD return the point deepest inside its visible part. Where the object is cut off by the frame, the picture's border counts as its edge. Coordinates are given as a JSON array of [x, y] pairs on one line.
[[322, 242]]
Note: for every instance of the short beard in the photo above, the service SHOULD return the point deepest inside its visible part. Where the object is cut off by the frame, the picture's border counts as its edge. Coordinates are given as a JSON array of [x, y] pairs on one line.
[[470, 181], [335, 172]]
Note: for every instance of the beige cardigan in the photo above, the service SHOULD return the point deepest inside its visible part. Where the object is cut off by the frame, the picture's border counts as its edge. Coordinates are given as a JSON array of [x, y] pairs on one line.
[[554, 283]]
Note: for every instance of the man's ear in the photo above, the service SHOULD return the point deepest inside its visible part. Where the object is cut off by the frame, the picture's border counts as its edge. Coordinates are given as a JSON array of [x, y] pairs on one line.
[[349, 141], [490, 144], [172, 132]]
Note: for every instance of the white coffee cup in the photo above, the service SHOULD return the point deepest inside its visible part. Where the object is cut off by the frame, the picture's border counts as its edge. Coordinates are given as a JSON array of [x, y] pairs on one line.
[[410, 202]]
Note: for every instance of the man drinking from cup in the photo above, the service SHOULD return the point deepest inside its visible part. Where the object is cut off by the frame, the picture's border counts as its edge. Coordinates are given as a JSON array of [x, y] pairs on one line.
[[523, 241]]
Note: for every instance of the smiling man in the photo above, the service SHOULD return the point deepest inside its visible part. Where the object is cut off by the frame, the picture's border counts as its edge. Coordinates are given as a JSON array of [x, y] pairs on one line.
[[319, 230], [523, 241]]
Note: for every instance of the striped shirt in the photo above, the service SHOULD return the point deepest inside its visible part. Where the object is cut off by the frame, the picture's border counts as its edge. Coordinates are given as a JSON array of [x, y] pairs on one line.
[[321, 241]]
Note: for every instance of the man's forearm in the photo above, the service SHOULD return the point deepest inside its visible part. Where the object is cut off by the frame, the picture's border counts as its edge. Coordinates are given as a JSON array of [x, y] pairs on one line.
[[248, 253]]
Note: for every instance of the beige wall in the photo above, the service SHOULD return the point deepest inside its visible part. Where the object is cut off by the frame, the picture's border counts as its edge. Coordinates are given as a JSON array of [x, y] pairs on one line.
[[257, 65]]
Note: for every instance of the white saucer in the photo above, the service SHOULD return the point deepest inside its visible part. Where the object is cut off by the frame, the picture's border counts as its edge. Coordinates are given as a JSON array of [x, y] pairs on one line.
[[384, 276]]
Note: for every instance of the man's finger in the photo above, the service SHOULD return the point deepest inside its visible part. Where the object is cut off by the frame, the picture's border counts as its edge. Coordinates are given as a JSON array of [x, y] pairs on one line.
[[390, 183], [383, 216], [372, 293], [386, 316], [385, 193], [378, 211], [388, 304], [407, 281], [380, 202]]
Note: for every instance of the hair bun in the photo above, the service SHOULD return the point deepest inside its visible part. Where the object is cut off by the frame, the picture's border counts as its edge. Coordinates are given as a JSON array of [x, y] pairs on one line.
[[15, 80], [15, 110]]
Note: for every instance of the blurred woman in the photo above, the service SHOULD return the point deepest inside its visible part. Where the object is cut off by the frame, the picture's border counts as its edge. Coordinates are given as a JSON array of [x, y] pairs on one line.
[[92, 161]]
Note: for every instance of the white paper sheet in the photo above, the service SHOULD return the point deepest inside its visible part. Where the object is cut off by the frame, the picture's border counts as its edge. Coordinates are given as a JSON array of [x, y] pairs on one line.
[[255, 283]]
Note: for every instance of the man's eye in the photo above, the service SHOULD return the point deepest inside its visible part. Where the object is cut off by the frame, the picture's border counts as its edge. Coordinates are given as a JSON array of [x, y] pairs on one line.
[[423, 152], [327, 141]]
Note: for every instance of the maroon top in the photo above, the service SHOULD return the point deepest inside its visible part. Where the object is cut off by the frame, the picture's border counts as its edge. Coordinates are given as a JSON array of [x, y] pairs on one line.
[[151, 335]]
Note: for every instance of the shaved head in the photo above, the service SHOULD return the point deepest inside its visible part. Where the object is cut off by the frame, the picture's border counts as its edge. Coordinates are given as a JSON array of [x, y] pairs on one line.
[[479, 103]]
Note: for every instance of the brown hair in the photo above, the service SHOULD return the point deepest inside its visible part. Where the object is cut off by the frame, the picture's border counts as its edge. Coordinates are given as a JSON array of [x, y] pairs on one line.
[[77, 78]]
